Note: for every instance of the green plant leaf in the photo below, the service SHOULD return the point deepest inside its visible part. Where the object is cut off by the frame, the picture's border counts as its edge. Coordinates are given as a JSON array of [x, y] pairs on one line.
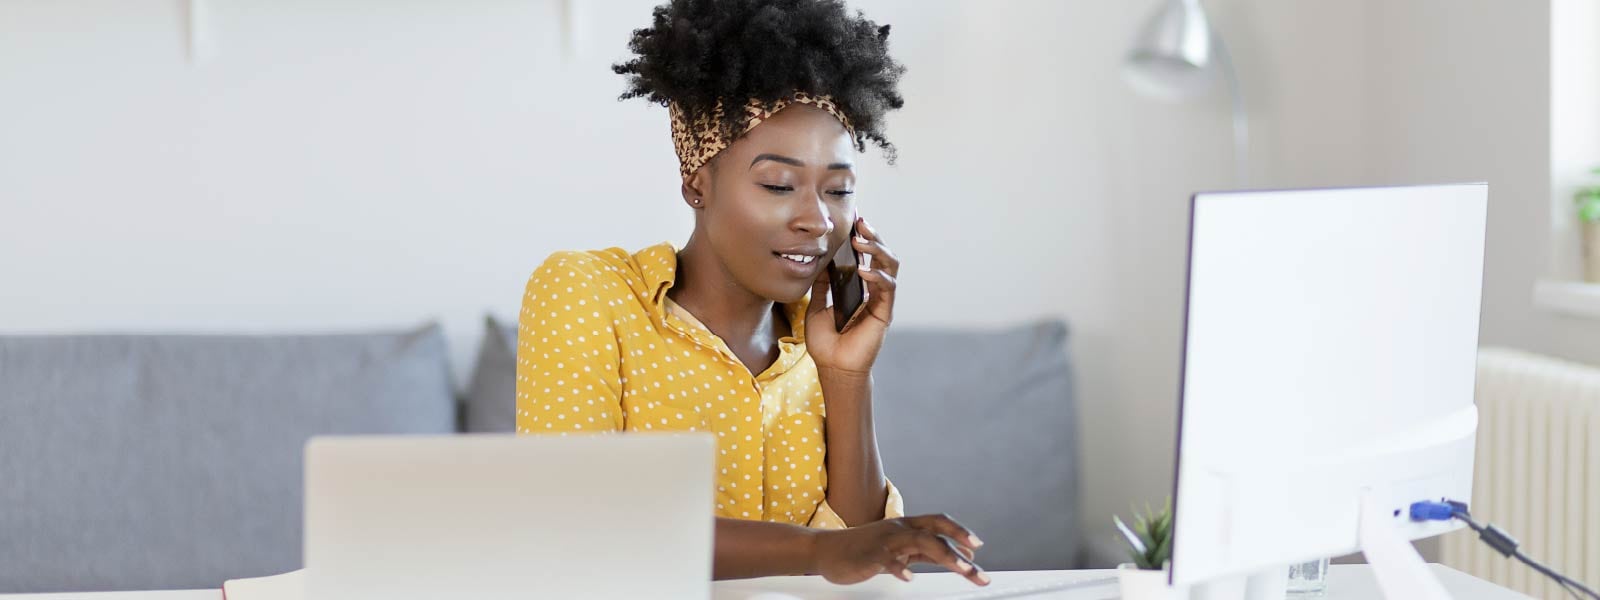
[[1590, 212], [1150, 538], [1162, 551], [1149, 542], [1586, 195], [1128, 535]]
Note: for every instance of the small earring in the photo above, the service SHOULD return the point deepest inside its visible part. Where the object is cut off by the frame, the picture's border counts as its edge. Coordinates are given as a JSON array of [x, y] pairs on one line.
[[695, 202]]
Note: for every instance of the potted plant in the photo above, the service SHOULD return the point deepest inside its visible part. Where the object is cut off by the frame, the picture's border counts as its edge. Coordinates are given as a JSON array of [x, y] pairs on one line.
[[1150, 546], [1588, 200]]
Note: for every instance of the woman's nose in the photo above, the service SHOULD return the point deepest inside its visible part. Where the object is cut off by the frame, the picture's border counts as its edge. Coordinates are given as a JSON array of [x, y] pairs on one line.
[[814, 219]]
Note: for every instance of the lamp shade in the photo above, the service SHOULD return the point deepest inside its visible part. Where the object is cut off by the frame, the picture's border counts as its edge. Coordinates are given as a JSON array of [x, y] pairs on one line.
[[1172, 57]]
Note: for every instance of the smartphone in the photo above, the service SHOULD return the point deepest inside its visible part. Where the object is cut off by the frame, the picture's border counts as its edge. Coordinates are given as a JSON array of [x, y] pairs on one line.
[[849, 293]]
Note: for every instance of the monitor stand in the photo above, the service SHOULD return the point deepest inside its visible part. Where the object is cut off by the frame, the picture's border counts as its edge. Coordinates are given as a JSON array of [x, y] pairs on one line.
[[1399, 569]]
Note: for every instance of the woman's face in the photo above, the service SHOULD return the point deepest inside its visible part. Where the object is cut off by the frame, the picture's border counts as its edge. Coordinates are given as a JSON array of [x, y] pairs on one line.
[[784, 188]]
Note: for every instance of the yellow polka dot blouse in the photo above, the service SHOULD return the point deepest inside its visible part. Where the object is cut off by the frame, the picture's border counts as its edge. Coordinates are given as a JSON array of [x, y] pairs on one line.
[[600, 348]]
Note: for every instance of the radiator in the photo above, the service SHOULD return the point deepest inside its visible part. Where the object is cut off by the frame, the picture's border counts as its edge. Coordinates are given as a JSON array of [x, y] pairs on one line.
[[1537, 471]]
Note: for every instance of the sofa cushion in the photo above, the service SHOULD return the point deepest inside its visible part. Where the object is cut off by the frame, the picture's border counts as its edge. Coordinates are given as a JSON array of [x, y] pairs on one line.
[[142, 462], [982, 425], [492, 394]]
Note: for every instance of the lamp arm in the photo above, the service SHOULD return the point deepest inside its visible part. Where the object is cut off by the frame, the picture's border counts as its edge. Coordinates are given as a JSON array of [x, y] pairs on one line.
[[1241, 119]]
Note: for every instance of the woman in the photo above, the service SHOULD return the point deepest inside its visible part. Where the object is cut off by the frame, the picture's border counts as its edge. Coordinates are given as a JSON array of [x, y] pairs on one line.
[[770, 104]]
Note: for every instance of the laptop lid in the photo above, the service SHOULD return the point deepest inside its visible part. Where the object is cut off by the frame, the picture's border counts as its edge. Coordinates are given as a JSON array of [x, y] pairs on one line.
[[499, 516]]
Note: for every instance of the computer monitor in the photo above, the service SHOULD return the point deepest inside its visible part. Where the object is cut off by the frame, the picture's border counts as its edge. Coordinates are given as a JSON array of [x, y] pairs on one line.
[[1327, 379]]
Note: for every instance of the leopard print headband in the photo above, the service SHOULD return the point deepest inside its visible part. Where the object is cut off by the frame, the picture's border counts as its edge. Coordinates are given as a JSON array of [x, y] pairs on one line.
[[701, 138]]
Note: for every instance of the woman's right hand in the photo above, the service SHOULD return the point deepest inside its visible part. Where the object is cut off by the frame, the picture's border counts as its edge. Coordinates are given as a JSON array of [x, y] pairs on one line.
[[847, 556]]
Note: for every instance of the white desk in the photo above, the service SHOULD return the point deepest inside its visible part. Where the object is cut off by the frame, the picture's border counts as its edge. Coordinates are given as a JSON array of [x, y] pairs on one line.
[[1345, 582]]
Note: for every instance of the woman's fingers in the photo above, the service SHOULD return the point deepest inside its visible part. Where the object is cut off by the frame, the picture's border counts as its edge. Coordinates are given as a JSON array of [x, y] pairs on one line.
[[882, 282], [944, 525], [900, 568], [877, 257], [940, 552], [880, 294], [964, 551], [892, 546]]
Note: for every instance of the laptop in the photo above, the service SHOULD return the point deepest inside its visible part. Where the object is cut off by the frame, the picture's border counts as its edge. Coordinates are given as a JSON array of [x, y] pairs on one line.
[[500, 516]]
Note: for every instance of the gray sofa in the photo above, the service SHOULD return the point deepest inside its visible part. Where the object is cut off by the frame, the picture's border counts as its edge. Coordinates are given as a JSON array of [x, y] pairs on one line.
[[167, 462]]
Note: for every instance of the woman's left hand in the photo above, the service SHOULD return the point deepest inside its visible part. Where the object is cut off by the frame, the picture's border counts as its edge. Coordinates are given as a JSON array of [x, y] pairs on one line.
[[854, 351]]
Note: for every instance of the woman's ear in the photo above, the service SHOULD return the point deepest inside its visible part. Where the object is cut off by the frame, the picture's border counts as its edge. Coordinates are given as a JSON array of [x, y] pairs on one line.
[[694, 187]]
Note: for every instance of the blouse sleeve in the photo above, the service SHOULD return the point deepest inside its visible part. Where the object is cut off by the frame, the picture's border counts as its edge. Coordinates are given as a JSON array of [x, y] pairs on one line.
[[825, 518], [568, 375]]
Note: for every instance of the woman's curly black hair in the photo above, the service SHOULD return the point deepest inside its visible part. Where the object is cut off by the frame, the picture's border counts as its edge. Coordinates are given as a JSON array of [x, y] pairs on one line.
[[699, 51]]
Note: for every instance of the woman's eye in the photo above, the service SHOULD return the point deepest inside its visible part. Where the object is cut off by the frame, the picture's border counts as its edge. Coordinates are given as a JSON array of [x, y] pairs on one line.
[[778, 188], [841, 193]]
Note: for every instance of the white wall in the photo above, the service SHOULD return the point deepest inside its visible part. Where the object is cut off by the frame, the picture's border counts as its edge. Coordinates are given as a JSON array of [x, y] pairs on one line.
[[347, 164], [1575, 125], [336, 165], [1464, 93]]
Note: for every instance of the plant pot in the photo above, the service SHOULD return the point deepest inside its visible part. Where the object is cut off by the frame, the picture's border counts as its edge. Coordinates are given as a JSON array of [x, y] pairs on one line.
[[1591, 251], [1139, 584]]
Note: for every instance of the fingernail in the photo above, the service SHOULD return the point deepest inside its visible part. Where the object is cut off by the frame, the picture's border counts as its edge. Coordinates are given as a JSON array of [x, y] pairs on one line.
[[967, 567], [908, 574], [972, 540], [861, 240], [984, 577]]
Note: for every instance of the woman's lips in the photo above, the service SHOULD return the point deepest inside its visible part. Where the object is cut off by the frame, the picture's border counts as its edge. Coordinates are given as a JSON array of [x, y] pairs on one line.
[[796, 268]]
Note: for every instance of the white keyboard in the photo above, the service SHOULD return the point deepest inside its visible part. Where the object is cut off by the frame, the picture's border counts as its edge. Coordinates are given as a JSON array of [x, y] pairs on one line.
[[1028, 590]]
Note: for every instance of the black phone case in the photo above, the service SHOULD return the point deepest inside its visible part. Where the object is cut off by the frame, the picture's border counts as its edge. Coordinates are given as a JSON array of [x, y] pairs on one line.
[[849, 293]]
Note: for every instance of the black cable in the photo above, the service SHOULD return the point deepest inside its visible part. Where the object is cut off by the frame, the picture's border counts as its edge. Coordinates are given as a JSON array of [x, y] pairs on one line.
[[1506, 545], [1560, 579]]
